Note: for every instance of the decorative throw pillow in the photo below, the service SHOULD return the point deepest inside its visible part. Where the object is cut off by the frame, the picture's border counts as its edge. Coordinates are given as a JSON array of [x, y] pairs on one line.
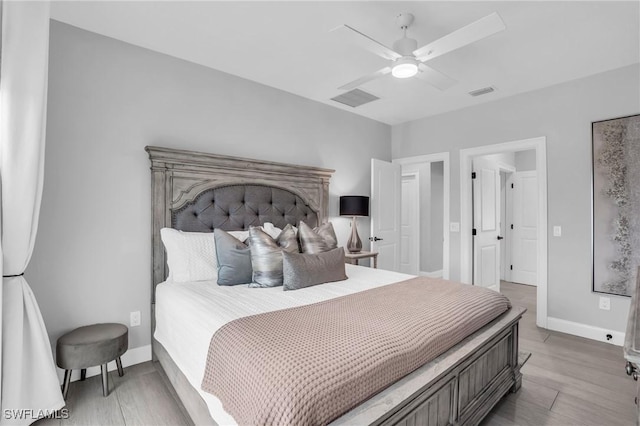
[[304, 270], [317, 240], [191, 256], [287, 239], [234, 259], [266, 255]]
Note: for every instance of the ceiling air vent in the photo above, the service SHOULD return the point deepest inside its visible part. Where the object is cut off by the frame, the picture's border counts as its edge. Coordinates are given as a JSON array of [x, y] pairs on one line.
[[355, 98], [482, 91]]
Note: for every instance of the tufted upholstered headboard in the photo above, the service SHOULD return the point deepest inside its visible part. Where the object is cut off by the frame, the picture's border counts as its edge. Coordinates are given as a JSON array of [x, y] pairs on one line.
[[197, 192], [237, 207]]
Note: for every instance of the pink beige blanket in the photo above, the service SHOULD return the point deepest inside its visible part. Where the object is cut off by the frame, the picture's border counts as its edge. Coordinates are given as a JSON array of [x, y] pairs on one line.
[[311, 364]]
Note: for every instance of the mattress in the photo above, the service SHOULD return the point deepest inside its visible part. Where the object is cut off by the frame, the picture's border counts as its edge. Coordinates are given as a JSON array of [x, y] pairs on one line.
[[188, 314]]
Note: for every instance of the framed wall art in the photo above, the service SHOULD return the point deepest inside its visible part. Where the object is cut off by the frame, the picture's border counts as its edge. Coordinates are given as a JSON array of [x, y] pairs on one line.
[[616, 204]]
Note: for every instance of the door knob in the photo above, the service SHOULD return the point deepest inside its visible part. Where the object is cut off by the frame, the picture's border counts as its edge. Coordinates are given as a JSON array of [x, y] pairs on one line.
[[375, 239], [500, 238]]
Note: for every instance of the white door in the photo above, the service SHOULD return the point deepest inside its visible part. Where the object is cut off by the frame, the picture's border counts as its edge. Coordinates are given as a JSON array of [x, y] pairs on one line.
[[486, 222], [524, 255], [409, 228], [505, 223], [385, 213]]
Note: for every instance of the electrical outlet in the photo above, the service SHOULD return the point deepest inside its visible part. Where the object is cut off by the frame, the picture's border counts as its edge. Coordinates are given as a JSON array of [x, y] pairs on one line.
[[557, 231], [605, 303], [454, 227], [135, 319]]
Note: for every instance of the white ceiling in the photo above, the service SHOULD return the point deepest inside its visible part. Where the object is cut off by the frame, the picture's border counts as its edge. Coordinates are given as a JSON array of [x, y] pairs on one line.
[[287, 45]]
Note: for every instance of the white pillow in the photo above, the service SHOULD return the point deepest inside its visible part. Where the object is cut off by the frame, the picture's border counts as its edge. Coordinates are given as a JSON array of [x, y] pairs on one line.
[[240, 235], [274, 231], [191, 256]]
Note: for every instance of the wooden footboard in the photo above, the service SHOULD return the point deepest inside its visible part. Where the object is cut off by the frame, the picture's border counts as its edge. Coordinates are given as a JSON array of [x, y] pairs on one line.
[[458, 388], [467, 395], [465, 398]]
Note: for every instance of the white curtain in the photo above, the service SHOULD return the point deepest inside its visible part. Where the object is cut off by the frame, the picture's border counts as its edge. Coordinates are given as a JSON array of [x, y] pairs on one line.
[[28, 375]]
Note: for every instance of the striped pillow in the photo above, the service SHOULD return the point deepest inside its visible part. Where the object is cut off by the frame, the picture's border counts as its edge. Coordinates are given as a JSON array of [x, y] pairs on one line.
[[317, 240], [266, 255]]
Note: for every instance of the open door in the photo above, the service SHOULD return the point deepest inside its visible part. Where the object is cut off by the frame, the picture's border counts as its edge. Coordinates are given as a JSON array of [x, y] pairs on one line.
[[410, 225], [486, 224], [524, 256], [385, 213]]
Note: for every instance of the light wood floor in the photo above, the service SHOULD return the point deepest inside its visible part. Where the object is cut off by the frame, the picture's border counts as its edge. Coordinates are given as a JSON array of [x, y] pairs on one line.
[[143, 396], [567, 381]]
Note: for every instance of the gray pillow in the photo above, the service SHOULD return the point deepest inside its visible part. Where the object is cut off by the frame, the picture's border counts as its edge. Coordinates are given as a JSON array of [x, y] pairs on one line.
[[305, 270], [266, 255], [234, 259], [288, 239], [317, 240]]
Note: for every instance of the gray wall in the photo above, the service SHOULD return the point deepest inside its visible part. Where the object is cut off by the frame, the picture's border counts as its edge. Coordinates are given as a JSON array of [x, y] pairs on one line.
[[525, 160], [431, 213], [107, 100], [425, 214], [503, 158], [563, 113], [434, 262]]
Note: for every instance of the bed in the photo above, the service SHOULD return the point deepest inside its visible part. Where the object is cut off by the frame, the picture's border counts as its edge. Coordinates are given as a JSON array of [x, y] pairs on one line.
[[197, 192]]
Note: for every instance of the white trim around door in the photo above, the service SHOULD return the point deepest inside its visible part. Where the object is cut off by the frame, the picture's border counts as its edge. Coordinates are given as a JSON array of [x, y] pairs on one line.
[[433, 158], [466, 156]]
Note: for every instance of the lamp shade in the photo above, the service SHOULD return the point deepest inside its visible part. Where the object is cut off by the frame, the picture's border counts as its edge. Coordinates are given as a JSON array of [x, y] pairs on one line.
[[354, 205]]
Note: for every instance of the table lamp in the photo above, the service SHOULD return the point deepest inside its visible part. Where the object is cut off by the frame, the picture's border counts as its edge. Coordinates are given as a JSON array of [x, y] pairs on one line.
[[354, 206]]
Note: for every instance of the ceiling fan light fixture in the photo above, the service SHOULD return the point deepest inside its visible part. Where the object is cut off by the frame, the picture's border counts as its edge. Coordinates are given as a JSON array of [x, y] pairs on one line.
[[404, 68]]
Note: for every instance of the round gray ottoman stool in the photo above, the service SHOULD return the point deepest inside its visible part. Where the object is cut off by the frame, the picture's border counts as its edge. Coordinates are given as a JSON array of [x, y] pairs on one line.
[[90, 346]]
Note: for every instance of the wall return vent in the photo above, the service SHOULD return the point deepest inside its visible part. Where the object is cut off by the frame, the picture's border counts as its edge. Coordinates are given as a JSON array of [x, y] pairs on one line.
[[482, 91], [354, 98]]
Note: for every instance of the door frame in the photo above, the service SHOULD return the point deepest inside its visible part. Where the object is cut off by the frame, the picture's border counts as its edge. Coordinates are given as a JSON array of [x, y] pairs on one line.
[[433, 158], [538, 144]]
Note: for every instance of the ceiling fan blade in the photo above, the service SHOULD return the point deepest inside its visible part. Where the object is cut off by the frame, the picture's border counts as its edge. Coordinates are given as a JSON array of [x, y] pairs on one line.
[[434, 77], [471, 33], [368, 43], [365, 79]]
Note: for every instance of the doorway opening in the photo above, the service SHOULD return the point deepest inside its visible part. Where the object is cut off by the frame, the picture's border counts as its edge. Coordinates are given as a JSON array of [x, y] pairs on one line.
[[504, 228], [424, 227]]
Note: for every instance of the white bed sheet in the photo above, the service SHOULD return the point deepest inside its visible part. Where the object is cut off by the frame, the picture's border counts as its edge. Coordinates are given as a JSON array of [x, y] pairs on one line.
[[187, 315]]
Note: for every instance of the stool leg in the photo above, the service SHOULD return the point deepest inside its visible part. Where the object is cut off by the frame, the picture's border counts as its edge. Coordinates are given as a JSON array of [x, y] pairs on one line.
[[119, 364], [105, 380], [65, 385], [83, 374]]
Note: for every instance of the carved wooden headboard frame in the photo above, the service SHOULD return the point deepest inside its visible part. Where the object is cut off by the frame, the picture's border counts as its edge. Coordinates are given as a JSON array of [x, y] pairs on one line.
[[178, 177]]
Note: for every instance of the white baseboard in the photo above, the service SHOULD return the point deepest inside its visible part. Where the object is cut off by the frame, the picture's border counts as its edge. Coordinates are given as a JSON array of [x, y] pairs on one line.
[[131, 357], [434, 274], [584, 330]]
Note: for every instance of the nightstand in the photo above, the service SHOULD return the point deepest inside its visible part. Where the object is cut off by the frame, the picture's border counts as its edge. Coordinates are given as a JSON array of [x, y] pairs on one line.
[[353, 258]]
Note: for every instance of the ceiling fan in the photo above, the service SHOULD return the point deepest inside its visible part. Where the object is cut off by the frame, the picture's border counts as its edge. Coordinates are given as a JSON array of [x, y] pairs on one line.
[[407, 60]]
